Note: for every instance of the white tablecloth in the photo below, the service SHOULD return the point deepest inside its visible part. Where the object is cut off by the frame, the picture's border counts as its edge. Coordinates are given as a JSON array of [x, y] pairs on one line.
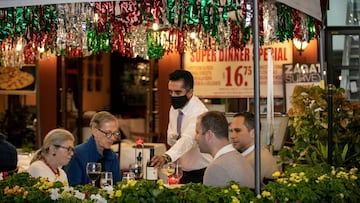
[[127, 154], [23, 161]]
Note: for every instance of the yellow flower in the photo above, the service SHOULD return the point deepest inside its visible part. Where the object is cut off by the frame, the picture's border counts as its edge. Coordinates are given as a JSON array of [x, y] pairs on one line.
[[234, 199], [131, 182], [276, 174], [25, 194], [118, 193], [226, 191], [342, 174], [266, 194], [353, 177], [234, 187], [353, 171], [160, 182]]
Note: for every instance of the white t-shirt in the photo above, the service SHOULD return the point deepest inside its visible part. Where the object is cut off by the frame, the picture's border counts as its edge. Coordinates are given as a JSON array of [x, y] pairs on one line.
[[40, 169]]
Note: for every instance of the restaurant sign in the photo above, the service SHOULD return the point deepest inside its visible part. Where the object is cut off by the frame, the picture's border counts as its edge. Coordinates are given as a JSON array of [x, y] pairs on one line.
[[229, 73], [299, 74]]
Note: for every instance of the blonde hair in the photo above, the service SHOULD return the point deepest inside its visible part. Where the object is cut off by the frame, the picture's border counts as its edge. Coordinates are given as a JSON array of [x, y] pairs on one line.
[[102, 117], [54, 137]]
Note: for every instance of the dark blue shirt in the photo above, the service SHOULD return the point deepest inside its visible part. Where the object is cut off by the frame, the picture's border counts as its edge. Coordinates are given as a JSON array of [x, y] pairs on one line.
[[87, 152]]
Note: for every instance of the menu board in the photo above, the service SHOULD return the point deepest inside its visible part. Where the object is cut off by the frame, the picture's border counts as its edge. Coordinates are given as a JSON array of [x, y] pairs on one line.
[[229, 73]]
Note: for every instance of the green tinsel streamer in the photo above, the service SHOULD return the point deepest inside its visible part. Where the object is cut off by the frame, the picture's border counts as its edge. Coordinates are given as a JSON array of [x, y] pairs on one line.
[[246, 34], [53, 16], [285, 28], [90, 36], [9, 28], [191, 14], [171, 10], [46, 18], [226, 9], [235, 9], [311, 26], [36, 27], [19, 27], [3, 32], [28, 20], [205, 14], [216, 20], [154, 51]]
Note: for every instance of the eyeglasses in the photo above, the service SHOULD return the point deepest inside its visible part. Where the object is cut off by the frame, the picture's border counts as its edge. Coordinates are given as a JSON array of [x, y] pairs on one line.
[[69, 149], [109, 134]]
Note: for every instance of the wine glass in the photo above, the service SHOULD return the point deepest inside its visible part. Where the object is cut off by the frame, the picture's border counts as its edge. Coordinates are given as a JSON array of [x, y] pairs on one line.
[[106, 180], [137, 170], [176, 176], [93, 170], [168, 169]]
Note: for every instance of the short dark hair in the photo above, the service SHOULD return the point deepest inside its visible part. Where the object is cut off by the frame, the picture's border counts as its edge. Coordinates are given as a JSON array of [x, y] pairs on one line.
[[216, 122], [249, 119], [184, 75]]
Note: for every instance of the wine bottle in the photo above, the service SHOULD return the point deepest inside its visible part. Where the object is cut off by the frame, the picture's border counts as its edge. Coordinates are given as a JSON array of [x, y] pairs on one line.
[[151, 171]]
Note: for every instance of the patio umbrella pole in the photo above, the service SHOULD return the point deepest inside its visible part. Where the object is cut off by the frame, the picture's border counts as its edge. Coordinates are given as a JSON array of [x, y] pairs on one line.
[[256, 95]]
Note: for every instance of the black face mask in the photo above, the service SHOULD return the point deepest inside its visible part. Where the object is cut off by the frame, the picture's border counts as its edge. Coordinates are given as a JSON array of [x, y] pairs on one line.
[[179, 102]]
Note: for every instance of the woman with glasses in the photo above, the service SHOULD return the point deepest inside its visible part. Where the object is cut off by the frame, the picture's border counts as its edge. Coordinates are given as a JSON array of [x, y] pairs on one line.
[[57, 150], [105, 131]]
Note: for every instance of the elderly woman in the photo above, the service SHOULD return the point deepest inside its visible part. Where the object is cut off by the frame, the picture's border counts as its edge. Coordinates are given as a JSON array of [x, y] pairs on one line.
[[57, 150]]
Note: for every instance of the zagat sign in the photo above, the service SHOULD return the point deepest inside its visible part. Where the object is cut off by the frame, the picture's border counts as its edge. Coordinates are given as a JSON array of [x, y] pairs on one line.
[[299, 73]]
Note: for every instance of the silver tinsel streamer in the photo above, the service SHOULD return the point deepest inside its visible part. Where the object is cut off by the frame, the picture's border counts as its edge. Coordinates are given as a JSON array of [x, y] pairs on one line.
[[304, 27], [74, 19], [224, 35], [270, 22], [138, 41]]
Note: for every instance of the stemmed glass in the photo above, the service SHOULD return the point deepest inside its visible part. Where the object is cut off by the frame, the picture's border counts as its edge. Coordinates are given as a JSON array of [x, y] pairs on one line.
[[168, 169], [173, 172], [176, 176], [93, 170]]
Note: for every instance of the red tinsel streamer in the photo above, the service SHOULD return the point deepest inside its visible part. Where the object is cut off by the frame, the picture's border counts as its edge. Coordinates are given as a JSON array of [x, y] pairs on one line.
[[261, 21], [30, 53], [296, 17], [156, 11], [100, 21], [235, 38], [76, 52], [119, 41], [243, 9], [111, 11], [130, 13], [148, 11], [180, 42], [318, 26]]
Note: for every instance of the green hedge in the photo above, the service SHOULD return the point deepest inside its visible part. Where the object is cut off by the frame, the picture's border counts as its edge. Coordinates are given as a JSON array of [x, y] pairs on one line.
[[321, 183]]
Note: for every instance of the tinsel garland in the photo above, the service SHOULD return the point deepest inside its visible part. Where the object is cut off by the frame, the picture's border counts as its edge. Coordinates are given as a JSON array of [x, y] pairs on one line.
[[285, 27], [72, 30]]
